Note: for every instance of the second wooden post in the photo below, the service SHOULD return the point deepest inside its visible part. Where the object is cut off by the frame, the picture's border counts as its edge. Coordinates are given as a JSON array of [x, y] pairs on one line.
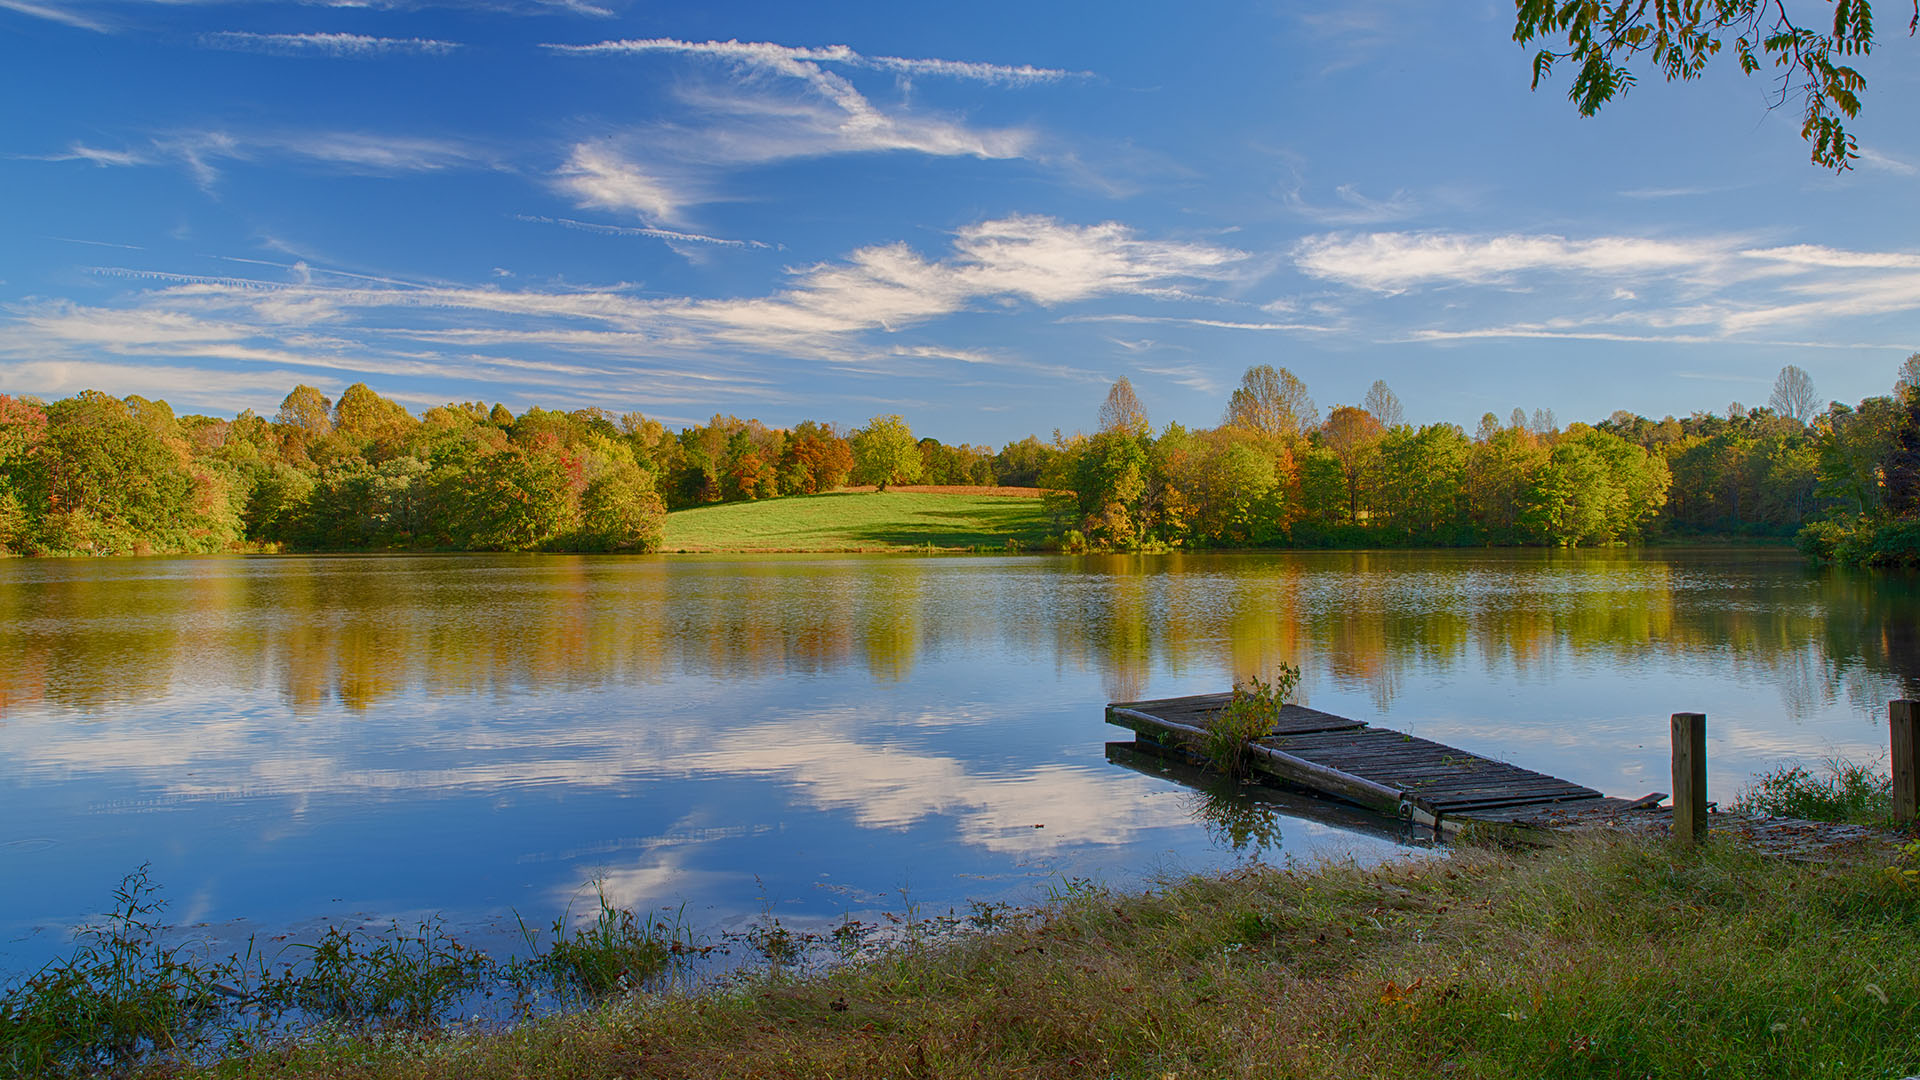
[[1906, 759], [1689, 777]]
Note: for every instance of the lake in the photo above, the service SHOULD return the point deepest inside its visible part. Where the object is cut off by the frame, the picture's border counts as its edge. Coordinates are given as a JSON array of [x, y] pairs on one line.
[[295, 740]]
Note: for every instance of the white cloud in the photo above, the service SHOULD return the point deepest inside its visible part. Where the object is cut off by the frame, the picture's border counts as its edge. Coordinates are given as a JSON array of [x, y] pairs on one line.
[[1033, 258], [800, 61], [598, 176], [1619, 288], [1545, 333], [628, 230], [982, 358], [71, 13], [1201, 377], [1351, 206], [202, 152], [784, 106], [1813, 255], [53, 12], [184, 387], [1394, 261], [1217, 324], [678, 348], [98, 156], [338, 45], [1875, 159]]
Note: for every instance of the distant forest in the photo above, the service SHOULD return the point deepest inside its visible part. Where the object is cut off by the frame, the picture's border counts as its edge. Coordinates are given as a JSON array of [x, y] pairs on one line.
[[100, 474]]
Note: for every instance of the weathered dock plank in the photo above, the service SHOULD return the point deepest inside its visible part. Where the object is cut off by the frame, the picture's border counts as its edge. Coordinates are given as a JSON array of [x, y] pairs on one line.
[[1387, 771]]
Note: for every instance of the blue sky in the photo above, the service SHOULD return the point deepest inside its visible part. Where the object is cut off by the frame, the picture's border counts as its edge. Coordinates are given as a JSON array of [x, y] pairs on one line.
[[976, 215]]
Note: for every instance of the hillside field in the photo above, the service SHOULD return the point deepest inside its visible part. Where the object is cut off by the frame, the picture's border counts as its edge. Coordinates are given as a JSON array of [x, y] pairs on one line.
[[859, 521]]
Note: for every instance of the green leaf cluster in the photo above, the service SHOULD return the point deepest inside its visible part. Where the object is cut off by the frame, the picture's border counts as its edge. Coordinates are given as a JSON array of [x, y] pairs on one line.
[[1680, 37]]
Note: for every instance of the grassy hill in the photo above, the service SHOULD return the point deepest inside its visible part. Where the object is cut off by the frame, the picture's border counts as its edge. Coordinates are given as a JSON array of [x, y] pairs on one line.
[[859, 521]]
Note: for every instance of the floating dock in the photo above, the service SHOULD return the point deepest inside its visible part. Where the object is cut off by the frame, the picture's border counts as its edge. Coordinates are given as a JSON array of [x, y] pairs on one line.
[[1426, 783]]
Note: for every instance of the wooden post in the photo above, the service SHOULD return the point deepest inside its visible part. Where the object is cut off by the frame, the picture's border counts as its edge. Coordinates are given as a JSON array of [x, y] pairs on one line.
[[1906, 759], [1689, 777]]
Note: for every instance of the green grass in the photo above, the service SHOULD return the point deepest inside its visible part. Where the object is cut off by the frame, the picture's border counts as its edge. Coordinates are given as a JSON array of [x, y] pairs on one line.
[[859, 521], [1608, 956]]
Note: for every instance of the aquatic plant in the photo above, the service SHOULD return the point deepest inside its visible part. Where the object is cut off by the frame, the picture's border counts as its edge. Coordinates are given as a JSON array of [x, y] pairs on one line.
[[1842, 791], [613, 954], [120, 998], [413, 979], [1250, 713]]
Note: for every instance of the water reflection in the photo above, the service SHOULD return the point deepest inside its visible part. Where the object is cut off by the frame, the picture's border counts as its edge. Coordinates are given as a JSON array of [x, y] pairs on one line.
[[423, 733], [357, 632]]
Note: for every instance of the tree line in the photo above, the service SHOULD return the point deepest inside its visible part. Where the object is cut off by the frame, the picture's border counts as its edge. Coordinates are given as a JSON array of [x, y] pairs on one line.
[[96, 473], [1844, 479]]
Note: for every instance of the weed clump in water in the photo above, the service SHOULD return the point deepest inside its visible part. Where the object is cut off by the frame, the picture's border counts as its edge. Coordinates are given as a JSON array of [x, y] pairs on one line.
[[363, 979], [1843, 792], [120, 999], [615, 954]]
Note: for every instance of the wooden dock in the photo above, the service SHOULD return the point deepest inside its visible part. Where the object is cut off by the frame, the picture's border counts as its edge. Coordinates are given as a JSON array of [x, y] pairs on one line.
[[1390, 772]]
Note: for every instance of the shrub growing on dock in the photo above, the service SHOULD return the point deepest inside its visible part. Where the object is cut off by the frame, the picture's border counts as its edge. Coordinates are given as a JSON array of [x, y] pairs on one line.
[[1250, 714]]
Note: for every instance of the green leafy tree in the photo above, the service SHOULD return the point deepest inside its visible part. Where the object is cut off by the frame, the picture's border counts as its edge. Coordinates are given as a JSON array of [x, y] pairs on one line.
[[1854, 447], [519, 500], [1810, 52], [621, 511], [1420, 480], [128, 484], [1239, 494], [1019, 464], [1500, 470], [307, 410], [1353, 437], [364, 415], [279, 504], [1111, 485], [885, 453]]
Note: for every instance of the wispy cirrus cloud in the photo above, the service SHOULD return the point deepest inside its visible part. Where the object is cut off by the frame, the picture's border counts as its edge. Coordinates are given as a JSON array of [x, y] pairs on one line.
[[785, 103], [599, 176], [1350, 206], [669, 235], [1688, 290], [801, 61], [1394, 261], [203, 153], [1217, 324], [94, 14], [609, 341], [325, 44], [53, 12]]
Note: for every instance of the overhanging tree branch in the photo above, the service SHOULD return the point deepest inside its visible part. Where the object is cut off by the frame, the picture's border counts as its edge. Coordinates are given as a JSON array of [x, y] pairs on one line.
[[1681, 37]]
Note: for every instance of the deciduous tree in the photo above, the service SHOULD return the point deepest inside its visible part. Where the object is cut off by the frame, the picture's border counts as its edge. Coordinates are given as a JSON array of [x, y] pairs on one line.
[[307, 409], [1272, 401], [885, 453], [1384, 405], [1122, 410], [1793, 394]]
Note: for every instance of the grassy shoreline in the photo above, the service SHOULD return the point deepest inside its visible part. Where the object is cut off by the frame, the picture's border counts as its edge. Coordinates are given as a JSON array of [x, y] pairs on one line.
[[1609, 955]]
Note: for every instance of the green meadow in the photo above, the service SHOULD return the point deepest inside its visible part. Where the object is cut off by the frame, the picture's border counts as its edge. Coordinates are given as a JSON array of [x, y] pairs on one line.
[[860, 521]]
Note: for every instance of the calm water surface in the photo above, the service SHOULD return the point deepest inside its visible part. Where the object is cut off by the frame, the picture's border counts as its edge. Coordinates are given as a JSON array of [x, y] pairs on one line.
[[291, 740]]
